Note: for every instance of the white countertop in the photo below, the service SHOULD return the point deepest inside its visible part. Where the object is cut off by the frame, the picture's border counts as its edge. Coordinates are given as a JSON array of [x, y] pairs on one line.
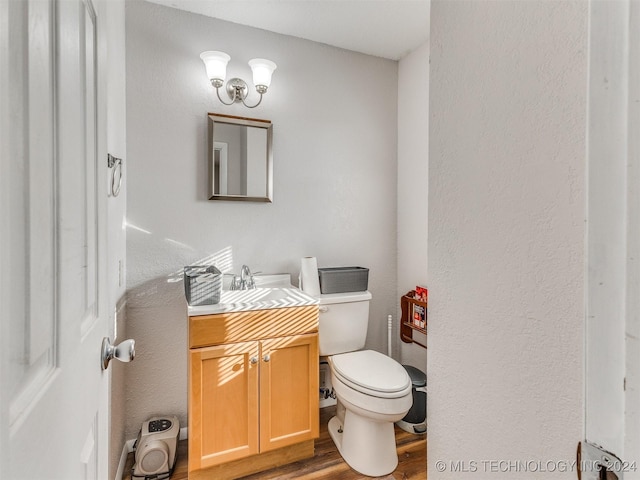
[[255, 299]]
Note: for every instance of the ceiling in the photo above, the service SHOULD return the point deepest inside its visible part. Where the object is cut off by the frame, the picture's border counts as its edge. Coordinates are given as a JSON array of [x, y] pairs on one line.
[[384, 28]]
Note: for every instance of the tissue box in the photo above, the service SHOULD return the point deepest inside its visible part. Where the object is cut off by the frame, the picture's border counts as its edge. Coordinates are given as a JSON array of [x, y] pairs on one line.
[[343, 279]]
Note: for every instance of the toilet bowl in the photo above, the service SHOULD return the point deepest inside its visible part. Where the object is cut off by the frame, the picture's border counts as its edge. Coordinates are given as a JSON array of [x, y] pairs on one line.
[[373, 391]]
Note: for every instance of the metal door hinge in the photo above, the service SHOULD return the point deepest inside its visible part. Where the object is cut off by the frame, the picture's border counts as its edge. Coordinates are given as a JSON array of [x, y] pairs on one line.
[[595, 463]]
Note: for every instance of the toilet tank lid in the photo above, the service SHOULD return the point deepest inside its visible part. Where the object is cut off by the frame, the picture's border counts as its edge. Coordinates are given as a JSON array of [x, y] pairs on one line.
[[347, 297]]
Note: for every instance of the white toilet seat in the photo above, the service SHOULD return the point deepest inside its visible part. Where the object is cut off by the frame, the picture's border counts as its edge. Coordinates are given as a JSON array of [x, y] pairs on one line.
[[371, 373]]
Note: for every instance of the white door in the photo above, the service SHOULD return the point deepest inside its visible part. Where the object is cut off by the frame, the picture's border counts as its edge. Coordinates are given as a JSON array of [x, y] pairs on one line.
[[54, 397]]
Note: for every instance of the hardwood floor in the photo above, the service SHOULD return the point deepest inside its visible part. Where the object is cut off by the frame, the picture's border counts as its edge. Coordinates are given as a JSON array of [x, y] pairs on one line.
[[327, 464]]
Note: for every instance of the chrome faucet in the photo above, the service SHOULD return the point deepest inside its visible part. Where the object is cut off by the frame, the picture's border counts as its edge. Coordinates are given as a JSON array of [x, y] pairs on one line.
[[246, 279]]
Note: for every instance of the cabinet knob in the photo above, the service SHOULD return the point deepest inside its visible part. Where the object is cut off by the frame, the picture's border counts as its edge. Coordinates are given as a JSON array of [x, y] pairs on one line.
[[253, 360], [266, 358]]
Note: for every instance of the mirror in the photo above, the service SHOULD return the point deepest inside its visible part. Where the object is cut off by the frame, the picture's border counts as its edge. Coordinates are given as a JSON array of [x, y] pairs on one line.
[[240, 158]]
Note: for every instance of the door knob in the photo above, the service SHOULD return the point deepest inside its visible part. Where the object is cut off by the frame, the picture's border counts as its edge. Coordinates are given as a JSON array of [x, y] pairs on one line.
[[125, 351]]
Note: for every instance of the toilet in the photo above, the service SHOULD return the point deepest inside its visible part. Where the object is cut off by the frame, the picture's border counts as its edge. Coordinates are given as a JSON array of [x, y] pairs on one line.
[[373, 390]]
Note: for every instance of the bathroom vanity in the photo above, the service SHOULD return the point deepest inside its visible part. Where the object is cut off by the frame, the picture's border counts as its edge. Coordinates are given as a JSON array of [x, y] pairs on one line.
[[253, 383]]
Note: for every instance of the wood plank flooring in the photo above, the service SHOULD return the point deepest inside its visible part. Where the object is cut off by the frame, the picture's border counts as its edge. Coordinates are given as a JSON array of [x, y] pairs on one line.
[[327, 464]]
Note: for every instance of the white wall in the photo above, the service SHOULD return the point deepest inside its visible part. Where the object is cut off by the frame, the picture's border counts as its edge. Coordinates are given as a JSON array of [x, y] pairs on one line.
[[335, 119], [413, 185], [506, 234]]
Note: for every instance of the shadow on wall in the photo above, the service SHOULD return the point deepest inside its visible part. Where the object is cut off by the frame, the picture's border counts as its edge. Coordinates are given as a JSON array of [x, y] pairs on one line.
[[163, 291], [157, 379], [157, 320]]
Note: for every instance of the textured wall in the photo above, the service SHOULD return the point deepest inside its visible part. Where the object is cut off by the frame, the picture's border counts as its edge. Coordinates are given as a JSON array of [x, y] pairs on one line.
[[506, 234], [413, 184], [334, 115]]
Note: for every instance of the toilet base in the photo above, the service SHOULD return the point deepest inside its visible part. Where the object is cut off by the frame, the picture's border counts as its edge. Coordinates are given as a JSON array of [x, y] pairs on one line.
[[367, 446]]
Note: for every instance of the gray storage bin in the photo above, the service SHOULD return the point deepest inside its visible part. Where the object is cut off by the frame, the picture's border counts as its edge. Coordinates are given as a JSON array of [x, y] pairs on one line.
[[202, 284], [343, 279]]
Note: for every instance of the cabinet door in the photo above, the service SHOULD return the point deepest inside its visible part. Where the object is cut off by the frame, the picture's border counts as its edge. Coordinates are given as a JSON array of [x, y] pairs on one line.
[[223, 404], [289, 410]]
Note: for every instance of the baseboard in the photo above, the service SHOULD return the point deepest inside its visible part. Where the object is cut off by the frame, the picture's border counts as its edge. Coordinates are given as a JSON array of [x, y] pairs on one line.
[[123, 461], [127, 448]]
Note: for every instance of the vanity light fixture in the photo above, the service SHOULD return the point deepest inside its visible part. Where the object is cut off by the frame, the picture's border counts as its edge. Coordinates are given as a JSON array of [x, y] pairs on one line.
[[216, 64]]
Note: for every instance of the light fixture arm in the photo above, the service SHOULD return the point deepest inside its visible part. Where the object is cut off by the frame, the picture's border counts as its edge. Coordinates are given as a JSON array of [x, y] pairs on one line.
[[237, 90], [253, 106], [233, 99]]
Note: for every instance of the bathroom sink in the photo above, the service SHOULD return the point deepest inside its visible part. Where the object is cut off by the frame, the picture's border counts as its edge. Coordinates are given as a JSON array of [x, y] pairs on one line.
[[272, 280], [272, 291], [256, 295]]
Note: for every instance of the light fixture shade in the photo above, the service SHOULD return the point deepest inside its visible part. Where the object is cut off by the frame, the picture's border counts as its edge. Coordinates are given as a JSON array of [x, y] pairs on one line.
[[262, 71], [216, 63]]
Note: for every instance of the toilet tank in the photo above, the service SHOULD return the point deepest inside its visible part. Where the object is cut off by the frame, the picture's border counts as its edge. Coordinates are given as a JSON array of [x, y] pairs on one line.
[[344, 318]]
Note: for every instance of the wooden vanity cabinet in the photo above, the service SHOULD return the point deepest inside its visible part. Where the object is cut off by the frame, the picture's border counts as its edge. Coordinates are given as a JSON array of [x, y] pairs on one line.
[[253, 390], [289, 386]]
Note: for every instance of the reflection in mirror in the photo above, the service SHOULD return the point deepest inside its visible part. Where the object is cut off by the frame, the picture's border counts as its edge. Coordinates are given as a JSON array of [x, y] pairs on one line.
[[240, 158]]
